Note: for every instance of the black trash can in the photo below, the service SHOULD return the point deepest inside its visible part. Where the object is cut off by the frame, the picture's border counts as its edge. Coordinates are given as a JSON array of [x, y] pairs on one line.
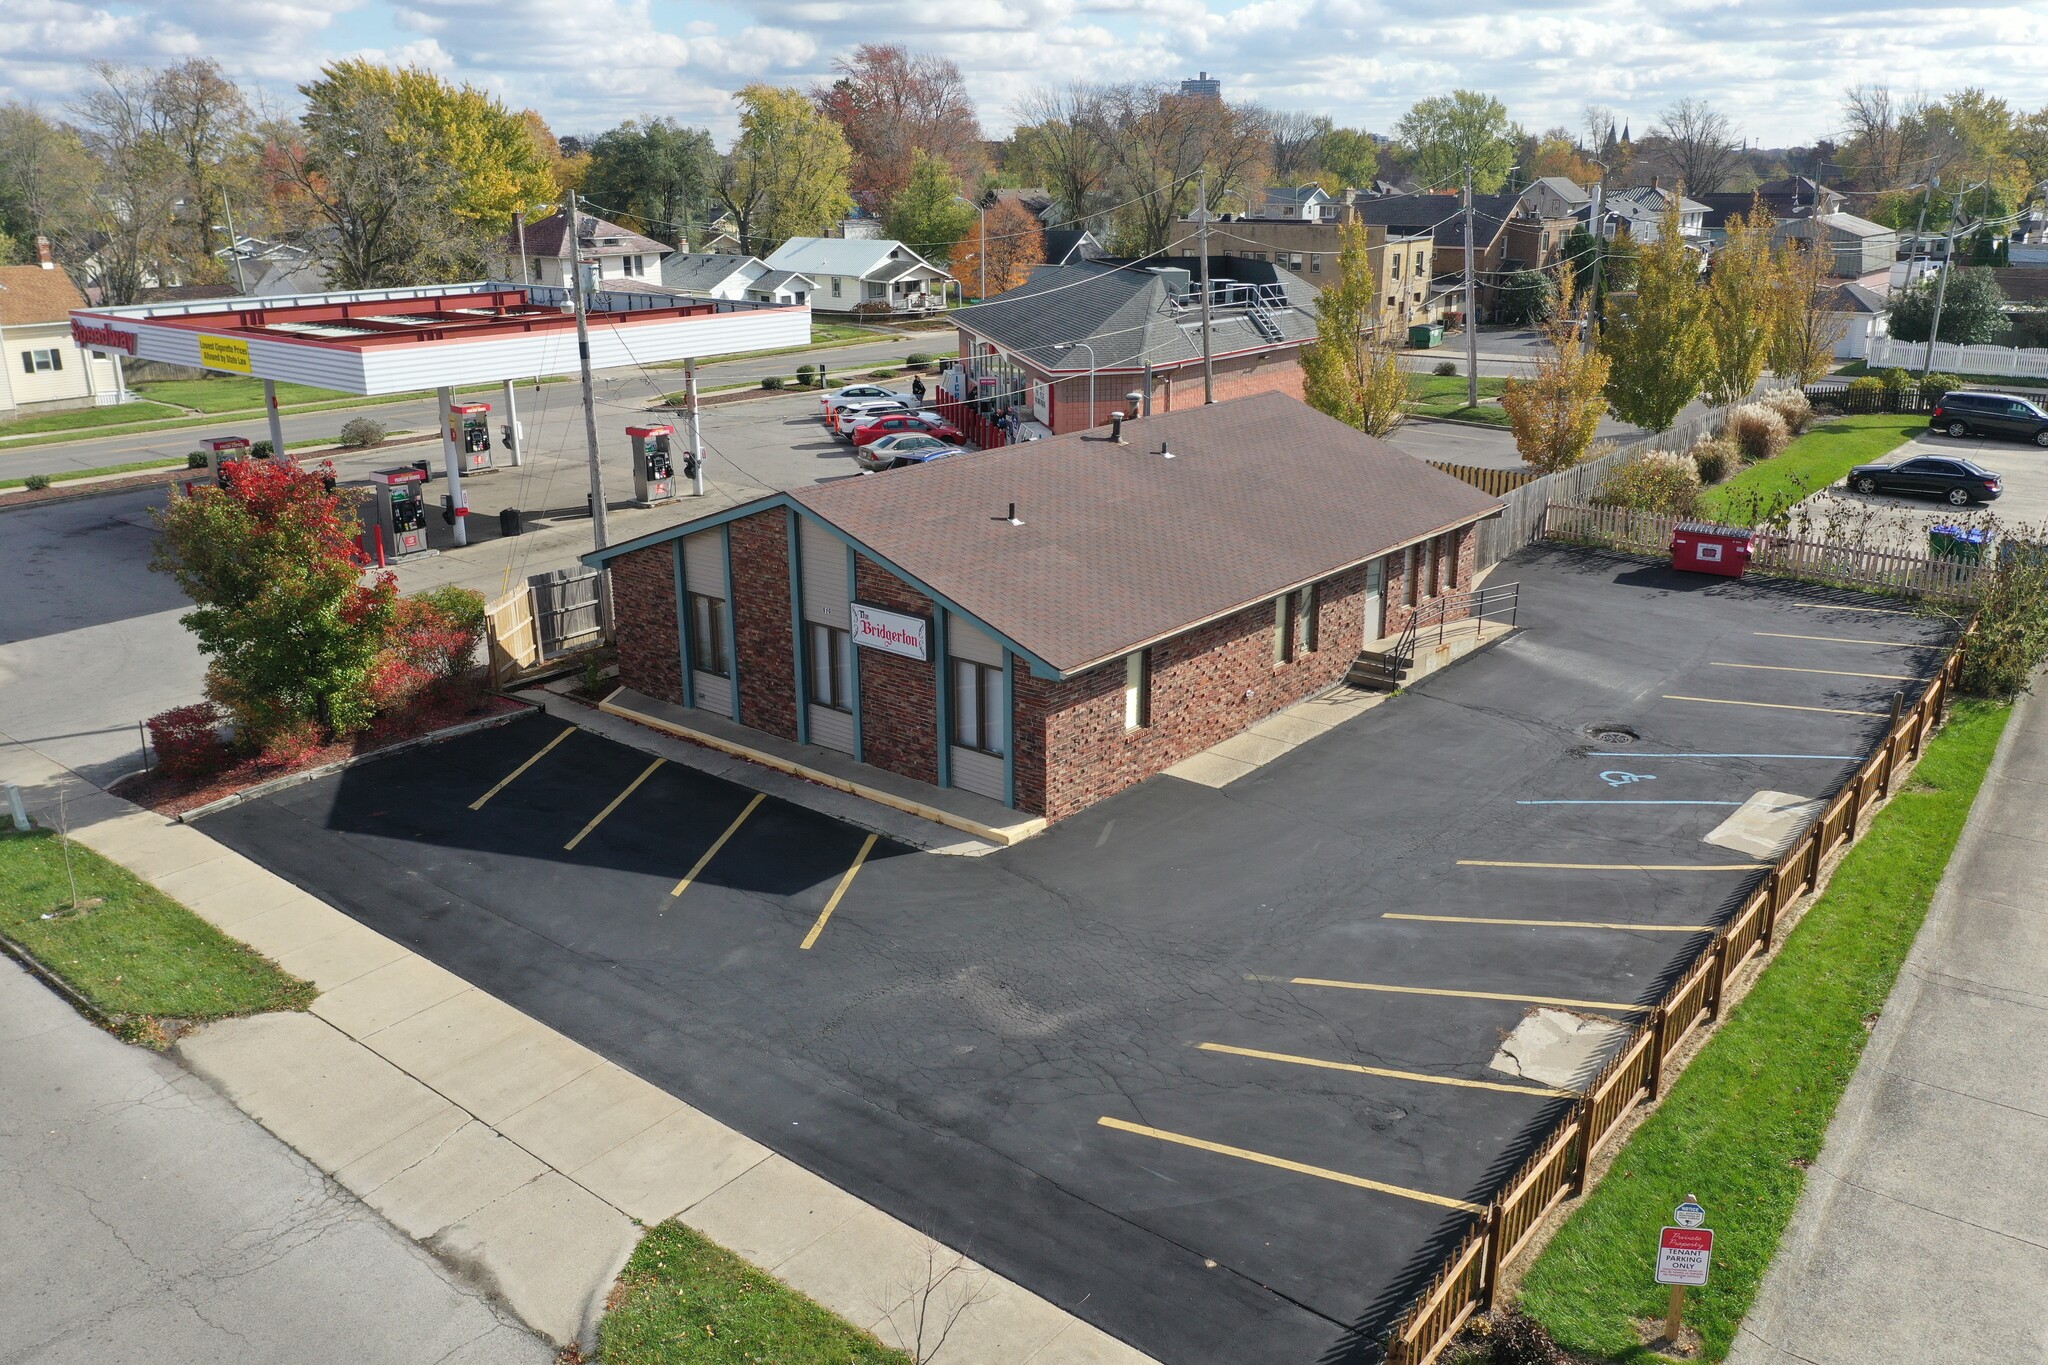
[[508, 522]]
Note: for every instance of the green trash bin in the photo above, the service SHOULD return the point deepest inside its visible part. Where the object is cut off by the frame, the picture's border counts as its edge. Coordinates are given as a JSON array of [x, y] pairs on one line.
[[1424, 335]]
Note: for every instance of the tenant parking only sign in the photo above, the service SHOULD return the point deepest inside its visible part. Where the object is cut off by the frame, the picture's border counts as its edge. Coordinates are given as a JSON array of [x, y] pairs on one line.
[[1683, 1255]]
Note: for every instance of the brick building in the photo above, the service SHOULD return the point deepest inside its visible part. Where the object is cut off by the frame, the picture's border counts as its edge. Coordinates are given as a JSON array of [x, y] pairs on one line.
[[1313, 249], [1048, 624], [1066, 346]]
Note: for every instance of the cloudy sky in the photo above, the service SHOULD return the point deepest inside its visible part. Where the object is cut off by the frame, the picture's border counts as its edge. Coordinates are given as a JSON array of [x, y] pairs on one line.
[[1777, 67]]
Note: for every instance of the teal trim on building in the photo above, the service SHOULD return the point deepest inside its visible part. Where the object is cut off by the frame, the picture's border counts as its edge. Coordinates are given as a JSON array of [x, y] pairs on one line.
[[732, 629], [799, 661], [683, 631], [940, 661]]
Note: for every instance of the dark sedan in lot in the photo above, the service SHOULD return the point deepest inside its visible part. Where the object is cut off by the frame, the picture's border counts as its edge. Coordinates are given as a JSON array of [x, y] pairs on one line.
[[1956, 481]]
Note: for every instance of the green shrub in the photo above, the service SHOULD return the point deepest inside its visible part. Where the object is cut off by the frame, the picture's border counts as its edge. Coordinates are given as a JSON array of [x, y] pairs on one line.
[[1866, 386], [359, 433], [1668, 485], [1894, 381], [261, 450], [1757, 431], [917, 360], [806, 375], [771, 381], [1445, 370], [2011, 639], [1713, 456], [1937, 386], [36, 483], [195, 459]]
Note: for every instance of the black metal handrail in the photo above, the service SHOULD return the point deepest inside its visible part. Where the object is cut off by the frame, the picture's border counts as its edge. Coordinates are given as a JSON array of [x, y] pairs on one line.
[[1489, 601]]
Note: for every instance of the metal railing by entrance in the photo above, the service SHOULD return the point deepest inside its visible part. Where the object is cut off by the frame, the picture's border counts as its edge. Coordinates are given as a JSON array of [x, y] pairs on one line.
[[1432, 619]]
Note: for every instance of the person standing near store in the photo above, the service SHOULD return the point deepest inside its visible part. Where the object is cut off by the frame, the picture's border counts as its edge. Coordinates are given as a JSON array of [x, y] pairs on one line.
[[917, 390]]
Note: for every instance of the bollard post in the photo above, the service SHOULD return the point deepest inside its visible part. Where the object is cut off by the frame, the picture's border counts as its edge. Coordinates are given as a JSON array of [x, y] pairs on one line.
[[19, 811]]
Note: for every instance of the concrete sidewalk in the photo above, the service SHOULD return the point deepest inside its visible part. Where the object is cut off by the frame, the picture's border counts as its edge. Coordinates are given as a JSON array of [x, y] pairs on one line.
[[523, 1159], [1919, 1236]]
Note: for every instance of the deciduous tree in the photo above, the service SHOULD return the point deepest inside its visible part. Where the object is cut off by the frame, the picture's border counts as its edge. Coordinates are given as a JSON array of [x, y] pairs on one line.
[[1446, 133], [1016, 242], [1155, 142], [786, 175], [122, 239], [928, 214], [1556, 414], [203, 118], [1294, 142], [1807, 325], [657, 173], [1058, 144], [1743, 305], [891, 103], [1972, 312], [1350, 157], [1657, 339], [1699, 143], [1352, 370]]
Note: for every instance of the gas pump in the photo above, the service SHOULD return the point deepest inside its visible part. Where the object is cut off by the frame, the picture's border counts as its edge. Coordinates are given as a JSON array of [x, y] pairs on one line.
[[469, 426], [654, 471], [401, 510], [222, 450]]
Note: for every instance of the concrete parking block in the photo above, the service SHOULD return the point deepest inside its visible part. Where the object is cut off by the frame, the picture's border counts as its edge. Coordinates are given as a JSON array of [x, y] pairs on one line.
[[550, 1249], [772, 1212], [995, 1319], [470, 1168], [667, 1168], [528, 1062], [311, 1085], [342, 957], [291, 926], [573, 1126], [376, 1000], [865, 1267]]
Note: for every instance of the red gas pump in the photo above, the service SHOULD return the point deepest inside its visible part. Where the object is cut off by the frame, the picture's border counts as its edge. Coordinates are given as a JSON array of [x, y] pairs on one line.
[[469, 427], [654, 471], [221, 450]]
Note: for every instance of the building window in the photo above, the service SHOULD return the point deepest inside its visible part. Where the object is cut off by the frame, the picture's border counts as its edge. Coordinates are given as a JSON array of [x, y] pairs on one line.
[[1305, 634], [978, 719], [1283, 628], [1397, 265], [830, 666], [836, 282], [1138, 690], [707, 635], [1408, 576], [32, 361], [1315, 263], [1391, 300]]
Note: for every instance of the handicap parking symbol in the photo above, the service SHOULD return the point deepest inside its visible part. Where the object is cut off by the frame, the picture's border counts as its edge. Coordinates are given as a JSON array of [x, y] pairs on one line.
[[1615, 777]]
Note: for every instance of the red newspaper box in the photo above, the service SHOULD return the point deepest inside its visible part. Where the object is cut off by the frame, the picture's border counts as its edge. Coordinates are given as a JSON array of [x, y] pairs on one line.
[[1705, 548]]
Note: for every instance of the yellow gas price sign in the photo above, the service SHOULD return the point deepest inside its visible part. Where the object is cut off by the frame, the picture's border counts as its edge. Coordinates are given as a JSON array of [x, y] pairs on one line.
[[224, 353]]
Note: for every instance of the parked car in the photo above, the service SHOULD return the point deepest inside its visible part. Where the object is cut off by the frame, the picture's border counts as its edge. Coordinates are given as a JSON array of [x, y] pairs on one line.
[[856, 393], [848, 417], [1957, 480], [891, 423], [1991, 414], [902, 448]]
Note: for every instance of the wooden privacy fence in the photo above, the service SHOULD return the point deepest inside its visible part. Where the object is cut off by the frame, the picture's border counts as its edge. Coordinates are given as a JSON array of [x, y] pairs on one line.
[[1494, 481], [1813, 561], [539, 619], [1556, 1170], [514, 640]]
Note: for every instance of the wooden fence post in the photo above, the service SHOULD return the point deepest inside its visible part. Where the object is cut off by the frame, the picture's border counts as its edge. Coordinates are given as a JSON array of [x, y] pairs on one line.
[[1855, 807], [1577, 1180], [1492, 1235], [1658, 1018], [1717, 978]]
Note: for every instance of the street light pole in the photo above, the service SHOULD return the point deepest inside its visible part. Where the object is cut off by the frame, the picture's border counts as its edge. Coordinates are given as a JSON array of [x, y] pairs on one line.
[[1202, 246], [597, 509], [1471, 305], [1948, 260]]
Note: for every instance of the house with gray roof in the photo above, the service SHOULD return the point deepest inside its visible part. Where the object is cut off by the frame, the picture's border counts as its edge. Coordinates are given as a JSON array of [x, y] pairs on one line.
[[1856, 246], [869, 277], [623, 257], [1554, 196], [727, 276], [1067, 345]]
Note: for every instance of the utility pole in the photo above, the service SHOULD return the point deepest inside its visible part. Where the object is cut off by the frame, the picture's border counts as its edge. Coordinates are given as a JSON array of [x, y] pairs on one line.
[[1471, 306], [519, 227], [1920, 226], [234, 251], [1948, 260], [1202, 246], [597, 519], [982, 214]]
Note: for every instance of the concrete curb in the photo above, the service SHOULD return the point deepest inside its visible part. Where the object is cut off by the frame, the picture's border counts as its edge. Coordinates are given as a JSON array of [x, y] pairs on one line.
[[278, 784], [55, 982]]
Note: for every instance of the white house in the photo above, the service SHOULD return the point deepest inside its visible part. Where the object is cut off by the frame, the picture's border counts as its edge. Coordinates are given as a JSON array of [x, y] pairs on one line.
[[624, 257], [1641, 212], [41, 366], [864, 276], [1301, 203], [708, 276], [1555, 196], [1860, 311]]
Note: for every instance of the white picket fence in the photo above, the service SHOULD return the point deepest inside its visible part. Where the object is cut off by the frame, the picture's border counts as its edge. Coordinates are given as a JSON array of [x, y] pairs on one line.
[[1949, 359], [1814, 561]]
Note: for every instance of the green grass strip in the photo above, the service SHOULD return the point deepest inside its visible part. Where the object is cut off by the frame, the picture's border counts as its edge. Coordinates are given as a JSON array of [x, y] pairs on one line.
[[139, 952], [235, 394], [685, 1301], [1747, 1117], [84, 419], [1821, 457]]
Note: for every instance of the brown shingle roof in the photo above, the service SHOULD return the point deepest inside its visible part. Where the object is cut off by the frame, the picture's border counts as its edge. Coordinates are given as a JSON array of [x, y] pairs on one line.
[[600, 237], [1120, 546], [29, 293]]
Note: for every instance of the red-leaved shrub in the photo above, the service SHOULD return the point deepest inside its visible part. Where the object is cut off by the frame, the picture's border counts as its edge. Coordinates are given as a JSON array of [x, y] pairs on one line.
[[188, 743], [290, 746]]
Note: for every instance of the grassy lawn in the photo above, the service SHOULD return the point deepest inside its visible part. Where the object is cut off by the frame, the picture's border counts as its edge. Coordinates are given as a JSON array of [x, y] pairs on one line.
[[84, 419], [138, 955], [1744, 1121], [824, 332], [230, 393], [1443, 395], [65, 476], [684, 1301], [1819, 458]]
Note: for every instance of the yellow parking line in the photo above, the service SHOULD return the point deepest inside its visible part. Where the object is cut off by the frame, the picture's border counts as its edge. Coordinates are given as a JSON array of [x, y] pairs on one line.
[[616, 800], [1621, 867], [1282, 1163], [838, 891], [710, 852], [1561, 923], [1847, 640], [478, 804], [1380, 1071], [1457, 995], [1825, 672], [1774, 705]]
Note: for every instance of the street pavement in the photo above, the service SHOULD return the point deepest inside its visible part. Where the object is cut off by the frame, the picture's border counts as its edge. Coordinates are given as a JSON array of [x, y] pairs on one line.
[[144, 1217], [1918, 1235]]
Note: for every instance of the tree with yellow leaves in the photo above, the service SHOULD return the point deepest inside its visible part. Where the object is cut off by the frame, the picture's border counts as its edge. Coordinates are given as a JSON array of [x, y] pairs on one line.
[[1555, 414], [1352, 370], [1806, 325]]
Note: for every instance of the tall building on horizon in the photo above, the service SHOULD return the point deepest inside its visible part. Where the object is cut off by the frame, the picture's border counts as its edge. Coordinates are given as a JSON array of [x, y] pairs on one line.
[[1203, 86]]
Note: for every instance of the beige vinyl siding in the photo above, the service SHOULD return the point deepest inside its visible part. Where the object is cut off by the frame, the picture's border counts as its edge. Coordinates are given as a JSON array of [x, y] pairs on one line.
[[823, 560], [704, 573], [977, 772], [965, 640], [831, 728]]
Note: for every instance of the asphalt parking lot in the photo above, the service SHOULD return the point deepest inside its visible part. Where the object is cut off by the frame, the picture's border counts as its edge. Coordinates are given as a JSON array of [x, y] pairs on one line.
[[2022, 508], [1213, 1068]]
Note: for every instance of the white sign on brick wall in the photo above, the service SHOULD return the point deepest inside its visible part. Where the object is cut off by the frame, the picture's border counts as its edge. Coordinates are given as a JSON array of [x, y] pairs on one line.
[[891, 631]]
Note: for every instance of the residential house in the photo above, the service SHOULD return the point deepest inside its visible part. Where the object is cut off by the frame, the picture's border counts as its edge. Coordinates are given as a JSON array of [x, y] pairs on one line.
[[624, 258], [1858, 247], [706, 276], [1508, 234], [1860, 311], [42, 368], [1401, 261], [1554, 196], [1301, 204], [1070, 246], [868, 277], [1640, 213], [1034, 200], [1071, 341]]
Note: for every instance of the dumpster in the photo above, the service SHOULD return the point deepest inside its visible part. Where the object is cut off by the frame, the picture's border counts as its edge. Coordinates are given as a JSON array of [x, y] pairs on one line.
[[1963, 544], [1703, 547], [1424, 335]]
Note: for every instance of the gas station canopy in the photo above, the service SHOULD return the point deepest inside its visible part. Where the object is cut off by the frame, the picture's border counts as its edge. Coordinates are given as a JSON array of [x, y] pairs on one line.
[[374, 341]]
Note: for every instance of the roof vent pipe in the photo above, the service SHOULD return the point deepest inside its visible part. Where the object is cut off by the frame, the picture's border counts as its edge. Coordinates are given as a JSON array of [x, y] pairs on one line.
[[1116, 428], [1163, 450]]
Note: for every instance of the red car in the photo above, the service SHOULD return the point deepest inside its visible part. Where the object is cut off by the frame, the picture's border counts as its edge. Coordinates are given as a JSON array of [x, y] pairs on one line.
[[906, 421]]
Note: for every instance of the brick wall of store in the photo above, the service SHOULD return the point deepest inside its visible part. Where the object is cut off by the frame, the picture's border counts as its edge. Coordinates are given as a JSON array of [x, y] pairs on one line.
[[1073, 748], [1266, 372], [1434, 578], [899, 697], [644, 590], [761, 621]]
